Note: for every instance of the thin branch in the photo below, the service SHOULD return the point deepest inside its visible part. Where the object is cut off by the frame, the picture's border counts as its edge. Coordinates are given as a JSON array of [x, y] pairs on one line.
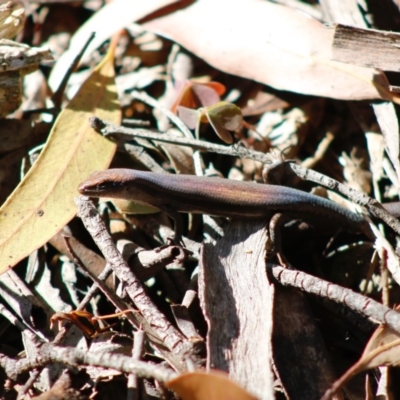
[[71, 356], [366, 306], [357, 197], [160, 331], [145, 98], [237, 150], [58, 94], [98, 282]]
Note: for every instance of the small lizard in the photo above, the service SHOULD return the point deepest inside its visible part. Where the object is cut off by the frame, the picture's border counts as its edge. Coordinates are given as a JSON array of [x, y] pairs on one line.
[[217, 197]]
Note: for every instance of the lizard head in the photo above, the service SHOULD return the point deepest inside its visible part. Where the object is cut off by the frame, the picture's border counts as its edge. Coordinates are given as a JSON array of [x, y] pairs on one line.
[[108, 183]]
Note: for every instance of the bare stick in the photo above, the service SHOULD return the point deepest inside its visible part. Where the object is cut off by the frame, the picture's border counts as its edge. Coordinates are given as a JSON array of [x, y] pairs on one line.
[[234, 151], [354, 195], [370, 308], [160, 331], [74, 357]]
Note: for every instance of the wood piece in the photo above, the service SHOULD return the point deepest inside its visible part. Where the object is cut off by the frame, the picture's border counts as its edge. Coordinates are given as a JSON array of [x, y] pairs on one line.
[[236, 299], [366, 47], [16, 60]]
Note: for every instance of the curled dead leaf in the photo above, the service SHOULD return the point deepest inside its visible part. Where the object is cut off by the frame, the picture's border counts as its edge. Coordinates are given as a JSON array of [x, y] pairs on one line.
[[383, 348], [222, 116]]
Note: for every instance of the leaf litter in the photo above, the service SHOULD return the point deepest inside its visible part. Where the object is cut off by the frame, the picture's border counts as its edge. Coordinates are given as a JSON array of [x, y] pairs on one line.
[[213, 64]]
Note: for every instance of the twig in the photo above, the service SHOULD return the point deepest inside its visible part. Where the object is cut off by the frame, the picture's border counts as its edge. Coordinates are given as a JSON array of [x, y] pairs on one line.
[[107, 271], [74, 357], [144, 157], [366, 306], [108, 129], [145, 98], [320, 150], [21, 326], [117, 302], [29, 383], [58, 94], [160, 331], [354, 195], [137, 352]]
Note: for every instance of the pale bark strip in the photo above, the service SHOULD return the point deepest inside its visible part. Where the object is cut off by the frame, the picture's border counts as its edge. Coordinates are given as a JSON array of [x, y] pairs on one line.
[[236, 299], [370, 308], [366, 47]]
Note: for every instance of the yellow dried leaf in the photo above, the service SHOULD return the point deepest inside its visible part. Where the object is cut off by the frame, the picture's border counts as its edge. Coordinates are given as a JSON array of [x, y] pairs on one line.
[[131, 207], [224, 117], [43, 202]]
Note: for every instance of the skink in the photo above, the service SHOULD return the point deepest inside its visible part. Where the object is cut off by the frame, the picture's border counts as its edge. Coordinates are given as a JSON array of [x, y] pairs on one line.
[[217, 197]]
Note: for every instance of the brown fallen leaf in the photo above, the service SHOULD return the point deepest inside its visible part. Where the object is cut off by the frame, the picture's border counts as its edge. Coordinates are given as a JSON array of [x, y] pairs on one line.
[[214, 385], [85, 321], [43, 202], [192, 94], [268, 43], [383, 348]]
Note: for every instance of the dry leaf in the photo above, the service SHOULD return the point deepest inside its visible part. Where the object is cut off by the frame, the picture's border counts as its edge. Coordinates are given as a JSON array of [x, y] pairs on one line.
[[110, 19], [12, 18], [208, 386], [43, 202], [181, 157], [383, 348], [192, 94], [131, 207], [375, 148], [222, 116], [268, 43]]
